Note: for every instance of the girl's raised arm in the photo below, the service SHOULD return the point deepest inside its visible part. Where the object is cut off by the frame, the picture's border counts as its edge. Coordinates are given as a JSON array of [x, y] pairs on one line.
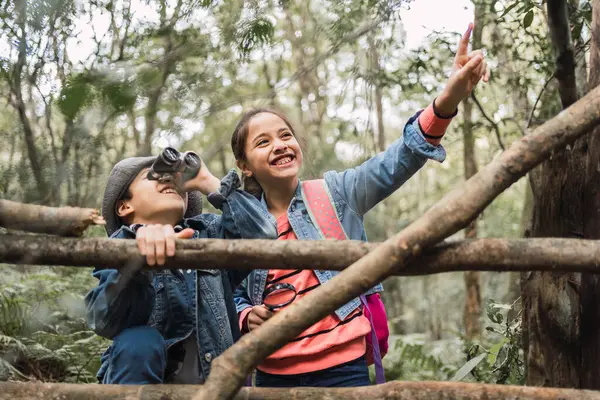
[[368, 184]]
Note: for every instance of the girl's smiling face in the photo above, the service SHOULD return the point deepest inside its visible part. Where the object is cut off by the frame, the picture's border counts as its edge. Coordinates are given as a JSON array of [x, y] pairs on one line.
[[272, 153]]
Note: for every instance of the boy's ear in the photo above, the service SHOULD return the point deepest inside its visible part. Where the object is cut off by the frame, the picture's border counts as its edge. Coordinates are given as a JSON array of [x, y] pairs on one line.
[[124, 208], [244, 167]]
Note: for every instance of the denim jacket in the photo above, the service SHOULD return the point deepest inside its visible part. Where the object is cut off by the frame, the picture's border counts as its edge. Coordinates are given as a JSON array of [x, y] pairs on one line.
[[168, 299], [354, 192]]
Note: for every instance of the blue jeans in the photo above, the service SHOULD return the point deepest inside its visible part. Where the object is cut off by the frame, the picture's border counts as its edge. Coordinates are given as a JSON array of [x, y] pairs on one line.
[[138, 356], [350, 374]]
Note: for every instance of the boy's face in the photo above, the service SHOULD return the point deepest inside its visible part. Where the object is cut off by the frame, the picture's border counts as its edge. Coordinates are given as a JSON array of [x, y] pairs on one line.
[[153, 202]]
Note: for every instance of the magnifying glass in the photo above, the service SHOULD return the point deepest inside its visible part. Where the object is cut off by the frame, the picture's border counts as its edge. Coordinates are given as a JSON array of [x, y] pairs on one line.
[[279, 295]]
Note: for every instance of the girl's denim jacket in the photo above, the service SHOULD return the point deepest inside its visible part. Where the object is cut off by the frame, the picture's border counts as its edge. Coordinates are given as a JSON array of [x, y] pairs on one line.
[[354, 192], [178, 303]]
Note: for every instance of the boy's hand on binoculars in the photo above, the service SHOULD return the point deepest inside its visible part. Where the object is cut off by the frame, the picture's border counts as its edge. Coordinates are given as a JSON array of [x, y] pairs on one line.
[[156, 242], [258, 316], [205, 181]]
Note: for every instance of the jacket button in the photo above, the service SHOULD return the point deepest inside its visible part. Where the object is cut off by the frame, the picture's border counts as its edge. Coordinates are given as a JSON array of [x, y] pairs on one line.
[[208, 357]]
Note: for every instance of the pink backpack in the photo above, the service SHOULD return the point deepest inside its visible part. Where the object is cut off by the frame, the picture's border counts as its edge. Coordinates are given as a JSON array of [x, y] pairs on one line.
[[321, 209]]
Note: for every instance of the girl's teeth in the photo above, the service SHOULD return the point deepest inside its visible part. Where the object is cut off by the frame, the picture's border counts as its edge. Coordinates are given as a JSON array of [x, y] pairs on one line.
[[284, 161]]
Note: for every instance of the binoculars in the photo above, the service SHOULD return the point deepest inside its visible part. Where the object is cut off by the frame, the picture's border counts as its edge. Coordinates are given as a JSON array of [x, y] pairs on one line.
[[169, 162]]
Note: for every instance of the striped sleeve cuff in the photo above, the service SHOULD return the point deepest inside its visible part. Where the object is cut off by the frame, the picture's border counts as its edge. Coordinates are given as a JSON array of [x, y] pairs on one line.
[[433, 125]]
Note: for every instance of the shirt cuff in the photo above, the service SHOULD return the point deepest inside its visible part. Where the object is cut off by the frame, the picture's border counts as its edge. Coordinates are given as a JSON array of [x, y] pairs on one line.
[[433, 125], [244, 319], [229, 184]]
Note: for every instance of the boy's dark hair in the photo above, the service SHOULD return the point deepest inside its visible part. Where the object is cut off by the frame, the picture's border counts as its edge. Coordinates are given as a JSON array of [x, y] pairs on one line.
[[117, 188]]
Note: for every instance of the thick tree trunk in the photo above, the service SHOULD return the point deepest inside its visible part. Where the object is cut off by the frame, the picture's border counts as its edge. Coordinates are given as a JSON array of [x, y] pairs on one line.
[[579, 45], [391, 391], [514, 281], [454, 212], [551, 301], [480, 254], [376, 82], [63, 221], [17, 90], [150, 122], [590, 284], [166, 68], [560, 32], [472, 309]]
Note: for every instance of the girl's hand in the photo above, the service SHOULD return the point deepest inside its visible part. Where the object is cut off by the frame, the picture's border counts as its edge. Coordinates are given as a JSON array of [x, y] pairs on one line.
[[467, 71], [205, 181], [157, 241], [258, 316]]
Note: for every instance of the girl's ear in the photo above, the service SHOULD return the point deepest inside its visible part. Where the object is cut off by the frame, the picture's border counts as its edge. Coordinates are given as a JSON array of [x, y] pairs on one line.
[[242, 165], [124, 208]]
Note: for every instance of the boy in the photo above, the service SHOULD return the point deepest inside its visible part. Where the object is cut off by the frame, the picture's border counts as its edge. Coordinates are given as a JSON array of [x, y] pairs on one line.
[[168, 325]]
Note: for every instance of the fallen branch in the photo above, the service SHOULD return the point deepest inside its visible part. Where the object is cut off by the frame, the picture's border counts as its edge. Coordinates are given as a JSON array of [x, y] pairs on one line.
[[454, 212], [552, 254], [63, 221], [391, 391]]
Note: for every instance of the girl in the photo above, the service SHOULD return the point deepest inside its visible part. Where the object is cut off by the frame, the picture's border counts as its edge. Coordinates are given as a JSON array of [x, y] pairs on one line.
[[331, 352]]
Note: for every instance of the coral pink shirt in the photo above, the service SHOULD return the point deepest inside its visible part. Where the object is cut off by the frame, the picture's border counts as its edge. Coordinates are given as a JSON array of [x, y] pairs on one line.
[[327, 343]]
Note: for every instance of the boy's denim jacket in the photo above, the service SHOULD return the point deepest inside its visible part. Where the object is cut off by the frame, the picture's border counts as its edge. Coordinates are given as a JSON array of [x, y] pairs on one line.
[[168, 300], [354, 192]]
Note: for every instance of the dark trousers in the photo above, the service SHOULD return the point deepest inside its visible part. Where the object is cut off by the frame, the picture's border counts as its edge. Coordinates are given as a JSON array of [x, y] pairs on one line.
[[138, 357], [350, 374]]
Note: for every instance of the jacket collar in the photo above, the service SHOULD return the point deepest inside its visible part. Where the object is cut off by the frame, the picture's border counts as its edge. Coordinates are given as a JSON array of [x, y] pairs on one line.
[[297, 195]]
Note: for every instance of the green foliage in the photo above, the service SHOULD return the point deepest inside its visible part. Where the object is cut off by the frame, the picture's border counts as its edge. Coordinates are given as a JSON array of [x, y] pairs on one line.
[[119, 95], [419, 362], [528, 19], [14, 315], [82, 89], [348, 15], [499, 357], [496, 358], [43, 334], [253, 33], [75, 95], [413, 358]]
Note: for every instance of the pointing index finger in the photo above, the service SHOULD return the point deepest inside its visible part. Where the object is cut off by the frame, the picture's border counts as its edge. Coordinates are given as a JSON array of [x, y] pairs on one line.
[[463, 46]]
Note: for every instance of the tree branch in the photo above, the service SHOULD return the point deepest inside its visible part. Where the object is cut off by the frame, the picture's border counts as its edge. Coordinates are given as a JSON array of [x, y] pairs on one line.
[[515, 122], [64, 221], [494, 124], [454, 212], [537, 100], [392, 391], [552, 254]]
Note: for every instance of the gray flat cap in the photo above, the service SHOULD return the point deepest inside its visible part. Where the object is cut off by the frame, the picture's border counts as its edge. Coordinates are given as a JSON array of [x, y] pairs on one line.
[[121, 176]]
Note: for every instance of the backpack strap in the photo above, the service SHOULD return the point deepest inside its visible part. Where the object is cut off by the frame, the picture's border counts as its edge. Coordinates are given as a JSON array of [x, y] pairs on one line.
[[324, 217], [377, 359], [321, 209]]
